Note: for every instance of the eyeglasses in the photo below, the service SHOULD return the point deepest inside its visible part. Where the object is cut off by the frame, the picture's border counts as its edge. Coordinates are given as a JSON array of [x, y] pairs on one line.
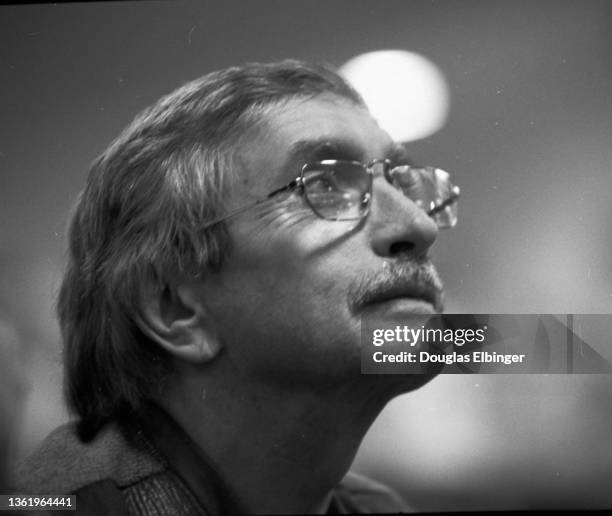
[[342, 190]]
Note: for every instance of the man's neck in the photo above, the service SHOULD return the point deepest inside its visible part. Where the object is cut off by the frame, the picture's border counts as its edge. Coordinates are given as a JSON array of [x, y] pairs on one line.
[[278, 451]]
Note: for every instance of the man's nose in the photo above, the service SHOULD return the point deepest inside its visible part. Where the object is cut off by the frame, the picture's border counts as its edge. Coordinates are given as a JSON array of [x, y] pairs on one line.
[[396, 224]]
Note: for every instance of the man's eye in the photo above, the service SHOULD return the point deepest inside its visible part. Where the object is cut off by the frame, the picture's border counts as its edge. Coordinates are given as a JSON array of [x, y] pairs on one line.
[[322, 182], [333, 195]]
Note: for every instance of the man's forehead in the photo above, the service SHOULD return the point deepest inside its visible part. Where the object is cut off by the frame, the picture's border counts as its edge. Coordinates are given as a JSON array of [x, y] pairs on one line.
[[308, 124], [307, 130], [325, 127]]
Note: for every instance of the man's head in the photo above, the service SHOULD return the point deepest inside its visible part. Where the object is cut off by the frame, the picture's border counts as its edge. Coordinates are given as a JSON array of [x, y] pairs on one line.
[[275, 293]]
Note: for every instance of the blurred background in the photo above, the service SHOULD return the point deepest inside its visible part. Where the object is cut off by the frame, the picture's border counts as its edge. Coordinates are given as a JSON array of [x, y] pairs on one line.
[[528, 137]]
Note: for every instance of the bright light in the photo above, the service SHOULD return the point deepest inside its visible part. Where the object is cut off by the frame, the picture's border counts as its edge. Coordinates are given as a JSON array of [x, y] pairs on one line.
[[405, 92]]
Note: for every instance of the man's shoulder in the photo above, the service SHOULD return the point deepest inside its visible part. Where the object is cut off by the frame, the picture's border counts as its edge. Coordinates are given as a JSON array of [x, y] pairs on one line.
[[64, 464], [360, 494]]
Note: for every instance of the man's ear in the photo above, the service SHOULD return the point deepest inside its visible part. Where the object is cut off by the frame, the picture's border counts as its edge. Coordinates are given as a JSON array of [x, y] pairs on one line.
[[174, 317]]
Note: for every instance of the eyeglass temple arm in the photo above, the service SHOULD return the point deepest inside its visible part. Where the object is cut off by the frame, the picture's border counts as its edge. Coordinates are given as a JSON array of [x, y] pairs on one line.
[[295, 183], [446, 202]]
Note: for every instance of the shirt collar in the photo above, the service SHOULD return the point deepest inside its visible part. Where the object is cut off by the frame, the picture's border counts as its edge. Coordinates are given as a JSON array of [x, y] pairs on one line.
[[189, 462]]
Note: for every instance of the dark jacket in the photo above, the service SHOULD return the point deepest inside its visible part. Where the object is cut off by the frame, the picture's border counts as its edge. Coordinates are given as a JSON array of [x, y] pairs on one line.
[[127, 474]]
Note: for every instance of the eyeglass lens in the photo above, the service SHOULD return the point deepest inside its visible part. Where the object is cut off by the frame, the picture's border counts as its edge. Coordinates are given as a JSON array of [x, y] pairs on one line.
[[430, 189], [341, 190], [338, 190]]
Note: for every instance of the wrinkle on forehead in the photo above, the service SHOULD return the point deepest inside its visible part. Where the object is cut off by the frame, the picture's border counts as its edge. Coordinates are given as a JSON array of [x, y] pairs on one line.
[[291, 133]]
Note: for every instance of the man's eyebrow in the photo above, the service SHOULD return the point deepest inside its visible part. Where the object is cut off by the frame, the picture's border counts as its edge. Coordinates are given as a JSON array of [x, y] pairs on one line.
[[325, 148], [304, 151]]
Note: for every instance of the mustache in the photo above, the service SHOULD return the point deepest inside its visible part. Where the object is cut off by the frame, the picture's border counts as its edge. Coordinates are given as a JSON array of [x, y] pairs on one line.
[[414, 278]]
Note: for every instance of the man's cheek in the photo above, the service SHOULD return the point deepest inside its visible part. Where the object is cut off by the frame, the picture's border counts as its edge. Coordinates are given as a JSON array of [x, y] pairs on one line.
[[325, 239]]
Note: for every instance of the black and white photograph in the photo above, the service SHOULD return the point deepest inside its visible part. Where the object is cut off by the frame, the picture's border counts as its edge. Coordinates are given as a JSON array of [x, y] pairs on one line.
[[305, 256]]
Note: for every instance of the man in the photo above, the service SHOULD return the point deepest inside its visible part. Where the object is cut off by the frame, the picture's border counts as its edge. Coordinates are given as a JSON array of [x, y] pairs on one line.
[[222, 255]]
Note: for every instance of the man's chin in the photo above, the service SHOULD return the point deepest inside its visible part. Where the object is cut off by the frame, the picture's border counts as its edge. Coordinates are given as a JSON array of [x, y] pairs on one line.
[[404, 383]]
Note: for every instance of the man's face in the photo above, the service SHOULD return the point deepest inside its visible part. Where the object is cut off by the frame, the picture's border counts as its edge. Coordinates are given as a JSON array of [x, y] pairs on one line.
[[288, 301]]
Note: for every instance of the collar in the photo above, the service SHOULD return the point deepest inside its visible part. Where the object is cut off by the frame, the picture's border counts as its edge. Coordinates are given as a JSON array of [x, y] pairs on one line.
[[190, 463]]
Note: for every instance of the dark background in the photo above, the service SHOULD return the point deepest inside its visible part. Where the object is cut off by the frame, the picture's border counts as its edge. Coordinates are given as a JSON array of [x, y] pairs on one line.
[[529, 139]]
